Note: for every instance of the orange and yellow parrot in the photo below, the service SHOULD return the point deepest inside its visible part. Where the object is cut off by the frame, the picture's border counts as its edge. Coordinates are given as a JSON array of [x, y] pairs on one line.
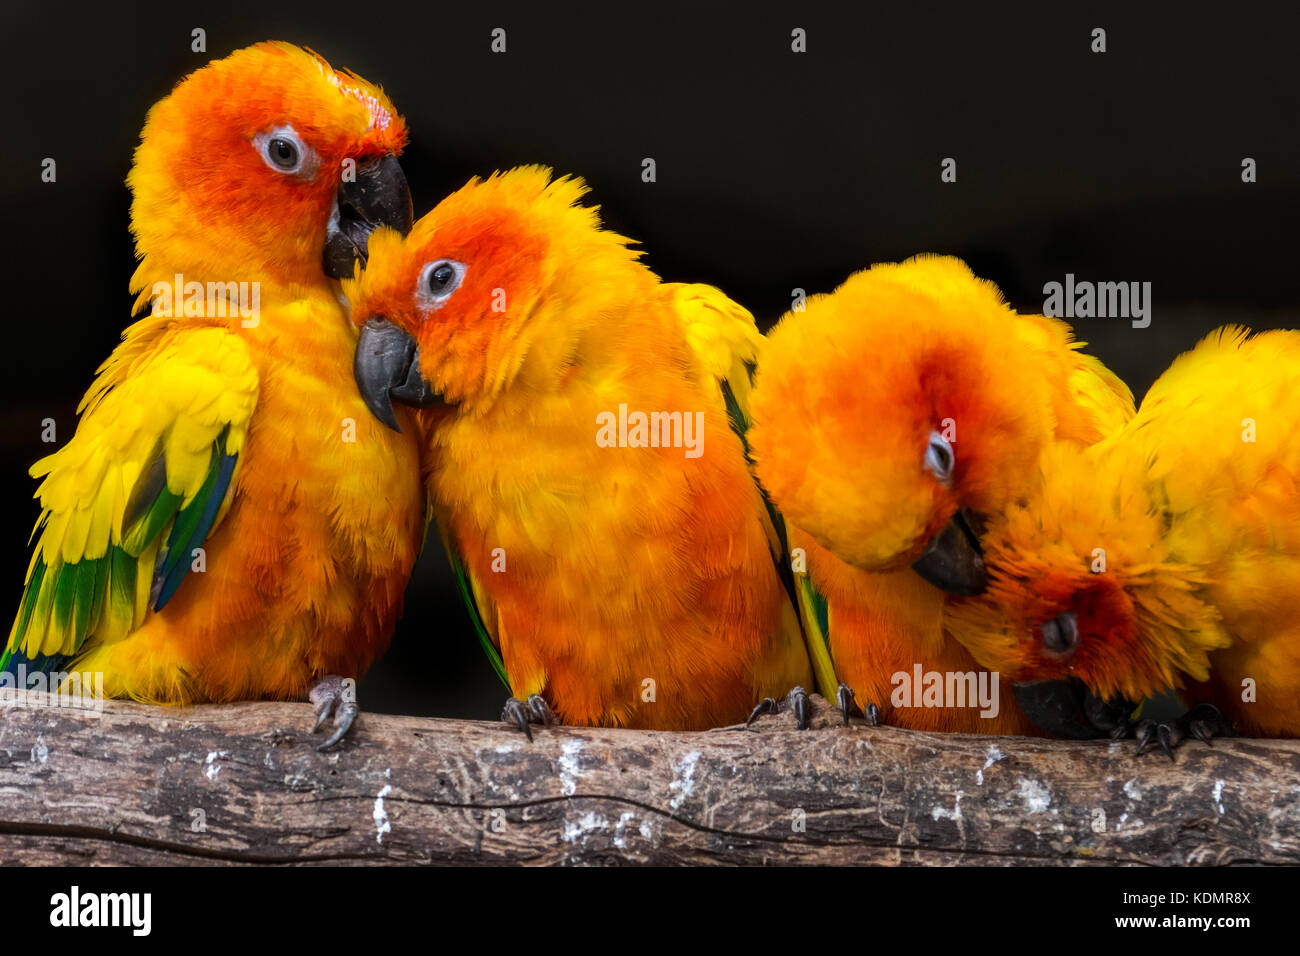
[[618, 557], [890, 418], [1168, 555], [228, 520]]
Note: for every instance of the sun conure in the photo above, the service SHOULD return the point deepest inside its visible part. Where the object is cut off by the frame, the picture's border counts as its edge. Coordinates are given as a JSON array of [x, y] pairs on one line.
[[890, 418], [1168, 555], [228, 521], [584, 456]]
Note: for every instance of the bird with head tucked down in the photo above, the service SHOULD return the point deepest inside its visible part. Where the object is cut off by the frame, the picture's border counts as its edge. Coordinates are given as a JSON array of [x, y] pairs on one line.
[[892, 418], [1165, 556]]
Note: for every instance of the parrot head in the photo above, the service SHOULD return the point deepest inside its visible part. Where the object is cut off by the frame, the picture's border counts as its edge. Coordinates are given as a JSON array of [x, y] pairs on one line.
[[496, 282], [894, 413], [1082, 593], [267, 163]]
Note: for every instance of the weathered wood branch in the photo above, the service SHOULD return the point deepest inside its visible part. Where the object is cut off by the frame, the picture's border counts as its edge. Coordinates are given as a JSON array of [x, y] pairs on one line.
[[244, 784]]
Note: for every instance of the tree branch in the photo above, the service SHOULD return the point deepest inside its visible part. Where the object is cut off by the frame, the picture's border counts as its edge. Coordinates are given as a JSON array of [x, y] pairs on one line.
[[244, 784]]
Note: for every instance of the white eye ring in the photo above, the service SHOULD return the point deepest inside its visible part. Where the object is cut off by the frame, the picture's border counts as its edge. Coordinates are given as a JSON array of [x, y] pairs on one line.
[[939, 457], [438, 280], [269, 146]]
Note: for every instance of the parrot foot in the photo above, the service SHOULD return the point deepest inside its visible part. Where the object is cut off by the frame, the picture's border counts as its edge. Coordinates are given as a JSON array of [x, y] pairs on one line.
[[796, 701], [521, 714], [1108, 717], [336, 697], [848, 703], [1204, 722]]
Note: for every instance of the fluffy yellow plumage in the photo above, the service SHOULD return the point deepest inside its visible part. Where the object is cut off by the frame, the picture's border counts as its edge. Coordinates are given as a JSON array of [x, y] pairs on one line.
[[227, 521], [179, 396], [911, 399], [626, 584], [1171, 550]]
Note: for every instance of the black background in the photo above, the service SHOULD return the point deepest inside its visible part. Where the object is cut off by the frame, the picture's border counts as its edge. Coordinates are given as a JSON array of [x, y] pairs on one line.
[[776, 170]]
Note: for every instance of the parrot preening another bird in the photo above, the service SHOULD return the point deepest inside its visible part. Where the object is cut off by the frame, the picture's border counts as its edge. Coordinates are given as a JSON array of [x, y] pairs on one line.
[[229, 521], [620, 562], [891, 418], [1166, 556]]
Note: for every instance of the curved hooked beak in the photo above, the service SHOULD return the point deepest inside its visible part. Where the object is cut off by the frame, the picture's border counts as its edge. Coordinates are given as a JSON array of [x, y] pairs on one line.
[[1067, 708], [387, 369], [377, 196], [953, 560]]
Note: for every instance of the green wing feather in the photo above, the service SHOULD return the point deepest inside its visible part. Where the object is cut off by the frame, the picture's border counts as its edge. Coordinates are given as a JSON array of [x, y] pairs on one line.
[[72, 600], [466, 587], [165, 421], [814, 613], [727, 341]]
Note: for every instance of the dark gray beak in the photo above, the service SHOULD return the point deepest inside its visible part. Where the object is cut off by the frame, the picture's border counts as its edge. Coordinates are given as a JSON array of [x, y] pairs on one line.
[[387, 369], [1066, 708], [953, 561], [378, 197]]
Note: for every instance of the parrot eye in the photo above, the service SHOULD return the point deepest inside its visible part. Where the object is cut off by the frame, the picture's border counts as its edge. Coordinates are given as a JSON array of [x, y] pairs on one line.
[[439, 280], [282, 153], [285, 152], [939, 458], [1061, 634]]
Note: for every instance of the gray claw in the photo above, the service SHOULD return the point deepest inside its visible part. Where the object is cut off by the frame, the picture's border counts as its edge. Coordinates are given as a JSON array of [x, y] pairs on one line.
[[343, 718], [523, 714], [767, 705], [334, 696], [1150, 732], [1144, 732], [799, 703], [539, 711], [1204, 722], [516, 713], [873, 715], [847, 700], [1169, 738], [849, 707], [796, 701]]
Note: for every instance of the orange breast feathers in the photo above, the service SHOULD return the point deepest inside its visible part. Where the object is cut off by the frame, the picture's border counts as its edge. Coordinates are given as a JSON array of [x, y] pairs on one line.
[[888, 642], [584, 469], [304, 572], [632, 586], [228, 520]]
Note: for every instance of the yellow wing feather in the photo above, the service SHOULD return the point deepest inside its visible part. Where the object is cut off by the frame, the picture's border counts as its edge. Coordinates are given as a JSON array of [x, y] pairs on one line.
[[725, 339], [164, 391]]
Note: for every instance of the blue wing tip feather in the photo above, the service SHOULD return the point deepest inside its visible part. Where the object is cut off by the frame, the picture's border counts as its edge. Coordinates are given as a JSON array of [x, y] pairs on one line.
[[41, 664], [173, 567]]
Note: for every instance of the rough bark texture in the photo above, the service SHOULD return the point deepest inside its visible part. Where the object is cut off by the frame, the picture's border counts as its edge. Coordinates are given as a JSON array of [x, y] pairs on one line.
[[245, 784]]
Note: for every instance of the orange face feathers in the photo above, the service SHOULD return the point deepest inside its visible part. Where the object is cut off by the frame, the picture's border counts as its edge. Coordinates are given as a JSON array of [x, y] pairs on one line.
[[523, 328], [853, 393], [1082, 585], [237, 169], [255, 185], [502, 275]]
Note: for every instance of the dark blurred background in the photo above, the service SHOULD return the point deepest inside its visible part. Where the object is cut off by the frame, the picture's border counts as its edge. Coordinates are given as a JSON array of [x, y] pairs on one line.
[[776, 170]]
